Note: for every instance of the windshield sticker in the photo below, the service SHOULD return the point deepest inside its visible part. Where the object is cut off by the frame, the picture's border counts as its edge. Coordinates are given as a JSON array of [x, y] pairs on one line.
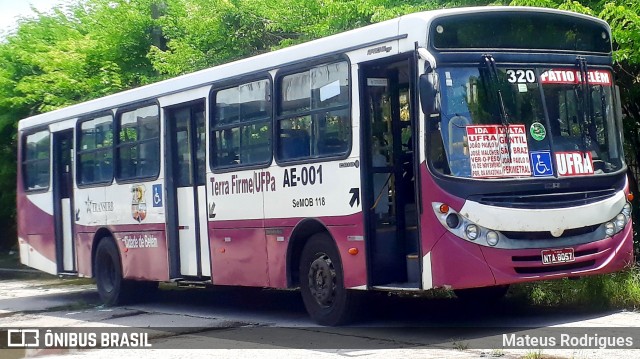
[[489, 151], [448, 79], [537, 131], [522, 88], [541, 163], [572, 77], [574, 163]]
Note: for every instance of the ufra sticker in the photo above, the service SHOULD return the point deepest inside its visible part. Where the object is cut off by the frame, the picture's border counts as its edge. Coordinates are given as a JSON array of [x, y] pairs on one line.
[[574, 163]]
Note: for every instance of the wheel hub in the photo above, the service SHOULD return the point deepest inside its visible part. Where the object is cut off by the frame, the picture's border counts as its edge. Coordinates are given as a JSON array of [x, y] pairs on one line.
[[322, 280]]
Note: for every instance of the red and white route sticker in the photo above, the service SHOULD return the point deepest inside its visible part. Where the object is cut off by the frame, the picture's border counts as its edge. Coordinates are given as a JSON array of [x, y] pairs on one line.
[[572, 77], [574, 163], [489, 154]]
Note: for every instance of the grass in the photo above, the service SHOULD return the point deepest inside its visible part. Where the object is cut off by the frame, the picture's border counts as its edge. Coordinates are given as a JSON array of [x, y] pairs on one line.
[[619, 290], [460, 345], [534, 355]]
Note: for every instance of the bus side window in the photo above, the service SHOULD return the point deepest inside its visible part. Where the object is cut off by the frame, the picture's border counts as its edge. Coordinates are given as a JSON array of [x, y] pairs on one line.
[[293, 144], [330, 145], [241, 125], [138, 147], [313, 113]]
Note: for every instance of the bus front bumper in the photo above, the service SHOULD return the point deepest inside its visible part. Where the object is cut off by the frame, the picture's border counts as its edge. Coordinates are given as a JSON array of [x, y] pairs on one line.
[[459, 264]]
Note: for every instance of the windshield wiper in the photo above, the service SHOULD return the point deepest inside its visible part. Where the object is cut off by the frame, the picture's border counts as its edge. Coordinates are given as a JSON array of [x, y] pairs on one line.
[[584, 105], [494, 86]]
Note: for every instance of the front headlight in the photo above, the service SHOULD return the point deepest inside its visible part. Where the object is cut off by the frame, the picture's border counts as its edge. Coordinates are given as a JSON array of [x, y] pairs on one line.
[[609, 229], [620, 221], [472, 232], [492, 238]]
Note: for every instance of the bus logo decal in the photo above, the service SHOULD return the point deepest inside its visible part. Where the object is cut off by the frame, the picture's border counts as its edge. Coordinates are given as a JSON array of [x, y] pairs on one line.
[[355, 164], [378, 50], [94, 207], [138, 203]]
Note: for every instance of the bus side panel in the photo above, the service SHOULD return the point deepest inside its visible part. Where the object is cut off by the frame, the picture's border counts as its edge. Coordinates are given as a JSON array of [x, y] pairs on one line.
[[347, 231], [143, 252], [431, 231], [278, 234], [84, 241], [238, 253], [91, 209], [459, 264], [36, 237]]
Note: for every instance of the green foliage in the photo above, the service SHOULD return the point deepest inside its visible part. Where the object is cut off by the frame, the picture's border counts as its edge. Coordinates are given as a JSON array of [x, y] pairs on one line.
[[203, 33], [616, 290]]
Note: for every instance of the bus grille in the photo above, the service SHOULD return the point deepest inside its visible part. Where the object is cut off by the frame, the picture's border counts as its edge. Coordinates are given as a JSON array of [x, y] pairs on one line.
[[547, 235], [555, 268], [543, 199]]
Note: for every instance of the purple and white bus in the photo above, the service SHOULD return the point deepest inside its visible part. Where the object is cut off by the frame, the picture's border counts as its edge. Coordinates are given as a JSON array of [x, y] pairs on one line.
[[465, 148]]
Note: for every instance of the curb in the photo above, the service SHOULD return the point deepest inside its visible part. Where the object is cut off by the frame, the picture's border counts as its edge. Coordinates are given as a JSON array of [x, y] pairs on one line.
[[16, 270]]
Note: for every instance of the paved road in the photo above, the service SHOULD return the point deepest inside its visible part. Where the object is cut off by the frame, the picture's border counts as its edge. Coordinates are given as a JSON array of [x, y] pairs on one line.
[[229, 321]]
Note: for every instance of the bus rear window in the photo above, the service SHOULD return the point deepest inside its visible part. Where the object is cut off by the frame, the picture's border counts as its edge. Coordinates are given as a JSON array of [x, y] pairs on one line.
[[36, 161]]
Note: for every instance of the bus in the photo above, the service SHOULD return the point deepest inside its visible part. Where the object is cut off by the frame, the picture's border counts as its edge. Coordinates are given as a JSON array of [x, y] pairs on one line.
[[466, 149]]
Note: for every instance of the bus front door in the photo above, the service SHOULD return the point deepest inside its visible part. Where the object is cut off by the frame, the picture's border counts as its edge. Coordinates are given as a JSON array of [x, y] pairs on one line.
[[63, 201], [187, 232], [389, 159]]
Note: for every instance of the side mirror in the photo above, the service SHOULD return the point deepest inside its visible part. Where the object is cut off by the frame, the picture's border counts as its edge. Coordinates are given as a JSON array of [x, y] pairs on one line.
[[428, 93]]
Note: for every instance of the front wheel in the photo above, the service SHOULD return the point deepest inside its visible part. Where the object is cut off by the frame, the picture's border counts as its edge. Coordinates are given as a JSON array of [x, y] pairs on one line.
[[322, 282]]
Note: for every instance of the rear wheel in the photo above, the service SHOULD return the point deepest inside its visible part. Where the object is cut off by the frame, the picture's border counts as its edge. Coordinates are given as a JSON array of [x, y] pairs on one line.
[[322, 282], [112, 288]]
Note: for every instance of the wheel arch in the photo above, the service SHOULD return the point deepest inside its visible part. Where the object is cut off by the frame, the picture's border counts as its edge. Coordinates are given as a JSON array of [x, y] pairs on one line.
[[299, 237], [97, 237]]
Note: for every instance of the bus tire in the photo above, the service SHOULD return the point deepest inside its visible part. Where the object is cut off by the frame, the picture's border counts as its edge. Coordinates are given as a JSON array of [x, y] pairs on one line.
[[326, 299], [484, 295], [112, 288]]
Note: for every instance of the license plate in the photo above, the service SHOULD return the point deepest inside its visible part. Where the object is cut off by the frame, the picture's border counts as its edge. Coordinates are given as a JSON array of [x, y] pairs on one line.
[[553, 256]]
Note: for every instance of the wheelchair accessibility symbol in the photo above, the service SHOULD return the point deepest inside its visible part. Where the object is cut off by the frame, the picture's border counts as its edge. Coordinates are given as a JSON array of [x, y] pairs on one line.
[[157, 195], [541, 164]]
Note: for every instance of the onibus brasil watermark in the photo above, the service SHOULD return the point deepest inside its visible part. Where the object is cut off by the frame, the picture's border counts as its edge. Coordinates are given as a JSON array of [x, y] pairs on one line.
[[75, 338]]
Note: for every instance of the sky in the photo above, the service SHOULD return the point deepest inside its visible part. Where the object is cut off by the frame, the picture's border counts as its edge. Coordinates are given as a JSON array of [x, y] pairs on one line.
[[11, 9]]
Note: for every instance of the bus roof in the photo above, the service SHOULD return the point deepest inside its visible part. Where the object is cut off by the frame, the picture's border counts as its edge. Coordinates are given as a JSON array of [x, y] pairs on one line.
[[357, 38]]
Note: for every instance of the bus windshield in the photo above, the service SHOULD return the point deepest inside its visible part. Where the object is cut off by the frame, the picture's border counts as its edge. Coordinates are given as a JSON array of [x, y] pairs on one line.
[[526, 122]]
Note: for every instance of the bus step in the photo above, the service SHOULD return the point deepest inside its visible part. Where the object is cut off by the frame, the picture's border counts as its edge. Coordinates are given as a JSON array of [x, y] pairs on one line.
[[398, 286], [193, 284], [67, 274]]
